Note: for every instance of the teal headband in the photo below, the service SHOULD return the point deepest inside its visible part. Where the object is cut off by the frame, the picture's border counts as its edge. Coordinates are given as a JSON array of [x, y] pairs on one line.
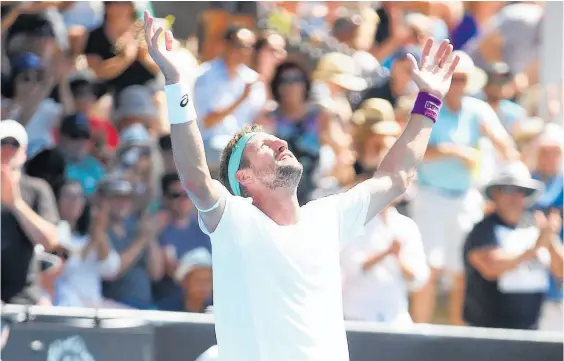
[[235, 162]]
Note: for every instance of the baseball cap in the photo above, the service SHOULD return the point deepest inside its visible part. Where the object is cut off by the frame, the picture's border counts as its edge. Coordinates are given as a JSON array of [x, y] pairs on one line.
[[12, 132], [498, 73], [26, 61], [135, 101], [115, 186], [197, 258], [75, 126]]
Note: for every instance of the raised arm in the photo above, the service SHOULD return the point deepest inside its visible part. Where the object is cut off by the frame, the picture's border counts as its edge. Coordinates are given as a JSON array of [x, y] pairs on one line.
[[187, 144], [433, 77]]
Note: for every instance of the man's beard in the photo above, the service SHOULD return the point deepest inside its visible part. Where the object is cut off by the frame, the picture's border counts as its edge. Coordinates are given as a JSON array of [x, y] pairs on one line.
[[286, 176]]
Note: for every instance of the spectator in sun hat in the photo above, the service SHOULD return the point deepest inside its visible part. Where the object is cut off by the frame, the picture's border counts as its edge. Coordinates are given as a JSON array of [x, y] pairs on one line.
[[194, 274], [508, 255], [334, 77], [29, 218], [74, 143]]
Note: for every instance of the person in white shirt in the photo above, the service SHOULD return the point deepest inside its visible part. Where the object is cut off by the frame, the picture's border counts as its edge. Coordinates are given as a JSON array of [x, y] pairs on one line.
[[276, 274], [381, 267]]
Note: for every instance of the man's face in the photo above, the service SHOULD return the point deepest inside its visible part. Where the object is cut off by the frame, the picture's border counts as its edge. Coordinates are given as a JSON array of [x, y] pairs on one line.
[[13, 155], [177, 200], [401, 71], [549, 159], [120, 207], [198, 282], [75, 148], [271, 163], [240, 50], [509, 202], [458, 85]]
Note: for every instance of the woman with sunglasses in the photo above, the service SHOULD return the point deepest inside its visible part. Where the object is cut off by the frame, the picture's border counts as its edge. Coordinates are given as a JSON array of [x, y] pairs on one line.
[[88, 259], [305, 126]]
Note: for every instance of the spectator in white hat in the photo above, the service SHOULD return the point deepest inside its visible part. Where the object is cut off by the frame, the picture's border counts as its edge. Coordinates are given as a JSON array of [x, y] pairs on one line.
[[194, 273], [507, 256], [29, 216]]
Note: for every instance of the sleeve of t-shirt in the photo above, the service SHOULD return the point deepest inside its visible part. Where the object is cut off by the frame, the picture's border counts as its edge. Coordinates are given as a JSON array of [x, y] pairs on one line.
[[46, 205], [482, 235], [237, 218], [352, 207], [92, 44]]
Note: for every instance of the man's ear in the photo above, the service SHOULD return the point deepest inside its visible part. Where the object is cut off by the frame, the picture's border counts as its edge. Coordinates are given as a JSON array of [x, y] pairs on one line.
[[244, 176]]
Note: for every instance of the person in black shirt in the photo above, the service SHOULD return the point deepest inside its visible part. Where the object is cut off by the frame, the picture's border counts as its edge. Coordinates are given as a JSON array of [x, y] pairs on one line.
[[29, 215], [507, 260], [397, 83], [115, 53]]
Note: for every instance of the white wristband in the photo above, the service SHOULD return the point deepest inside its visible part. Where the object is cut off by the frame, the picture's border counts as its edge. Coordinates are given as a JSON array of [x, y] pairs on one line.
[[180, 106]]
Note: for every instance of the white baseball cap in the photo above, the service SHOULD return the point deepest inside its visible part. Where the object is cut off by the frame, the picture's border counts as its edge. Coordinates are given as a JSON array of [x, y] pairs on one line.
[[12, 129], [197, 258]]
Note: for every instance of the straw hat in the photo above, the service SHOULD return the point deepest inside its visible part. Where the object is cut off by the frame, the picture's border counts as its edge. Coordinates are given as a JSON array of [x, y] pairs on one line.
[[477, 78], [515, 174], [372, 111], [339, 69]]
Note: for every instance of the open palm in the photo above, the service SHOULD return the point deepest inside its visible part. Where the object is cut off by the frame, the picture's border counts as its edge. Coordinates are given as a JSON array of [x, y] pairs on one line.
[[434, 74], [161, 54]]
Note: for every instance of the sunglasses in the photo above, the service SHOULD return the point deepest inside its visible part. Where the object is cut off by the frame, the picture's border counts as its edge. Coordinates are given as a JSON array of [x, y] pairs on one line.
[[32, 76], [292, 79], [10, 142], [177, 195], [509, 189], [72, 195]]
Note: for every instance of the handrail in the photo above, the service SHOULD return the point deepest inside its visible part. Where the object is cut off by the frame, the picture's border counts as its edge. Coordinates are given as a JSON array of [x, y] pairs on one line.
[[370, 327]]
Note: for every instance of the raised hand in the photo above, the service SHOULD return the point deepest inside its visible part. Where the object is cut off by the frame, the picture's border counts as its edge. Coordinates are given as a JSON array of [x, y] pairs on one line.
[[434, 74], [159, 54]]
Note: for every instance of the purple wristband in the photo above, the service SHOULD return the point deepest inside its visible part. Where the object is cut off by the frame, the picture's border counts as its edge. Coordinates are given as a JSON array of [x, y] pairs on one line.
[[427, 105]]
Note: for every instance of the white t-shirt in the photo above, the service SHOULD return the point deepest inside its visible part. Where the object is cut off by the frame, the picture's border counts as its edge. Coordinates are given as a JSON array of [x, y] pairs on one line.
[[277, 289], [381, 293]]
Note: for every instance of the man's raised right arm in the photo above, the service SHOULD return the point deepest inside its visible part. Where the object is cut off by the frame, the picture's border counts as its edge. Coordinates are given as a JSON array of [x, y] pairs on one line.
[[187, 144]]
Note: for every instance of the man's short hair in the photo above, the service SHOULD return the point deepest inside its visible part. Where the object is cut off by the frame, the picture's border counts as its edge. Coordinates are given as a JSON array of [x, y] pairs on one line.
[[226, 154]]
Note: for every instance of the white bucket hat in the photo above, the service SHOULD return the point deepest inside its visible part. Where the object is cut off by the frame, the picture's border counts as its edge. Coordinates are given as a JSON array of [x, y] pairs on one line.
[[515, 174]]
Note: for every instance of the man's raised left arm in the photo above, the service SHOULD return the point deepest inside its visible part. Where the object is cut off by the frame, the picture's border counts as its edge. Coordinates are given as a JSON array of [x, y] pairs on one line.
[[433, 77]]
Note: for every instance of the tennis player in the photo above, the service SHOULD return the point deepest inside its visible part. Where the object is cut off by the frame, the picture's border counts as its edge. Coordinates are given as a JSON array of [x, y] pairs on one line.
[[276, 276]]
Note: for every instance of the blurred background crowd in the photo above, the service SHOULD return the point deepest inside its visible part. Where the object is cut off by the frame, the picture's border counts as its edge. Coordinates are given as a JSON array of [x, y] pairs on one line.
[[94, 215]]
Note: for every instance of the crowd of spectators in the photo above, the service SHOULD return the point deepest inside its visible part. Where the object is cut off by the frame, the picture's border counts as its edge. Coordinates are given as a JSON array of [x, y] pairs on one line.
[[94, 214]]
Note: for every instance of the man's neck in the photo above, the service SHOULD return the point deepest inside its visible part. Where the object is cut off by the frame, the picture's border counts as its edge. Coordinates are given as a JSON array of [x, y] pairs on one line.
[[494, 103], [180, 220], [282, 207], [231, 68]]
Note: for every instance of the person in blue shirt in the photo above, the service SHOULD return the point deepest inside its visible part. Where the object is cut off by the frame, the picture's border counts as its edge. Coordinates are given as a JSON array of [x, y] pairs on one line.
[[74, 142], [445, 184], [498, 92], [549, 172]]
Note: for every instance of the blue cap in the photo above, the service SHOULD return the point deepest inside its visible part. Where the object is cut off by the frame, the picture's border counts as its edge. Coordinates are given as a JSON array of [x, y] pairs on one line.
[[26, 61]]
